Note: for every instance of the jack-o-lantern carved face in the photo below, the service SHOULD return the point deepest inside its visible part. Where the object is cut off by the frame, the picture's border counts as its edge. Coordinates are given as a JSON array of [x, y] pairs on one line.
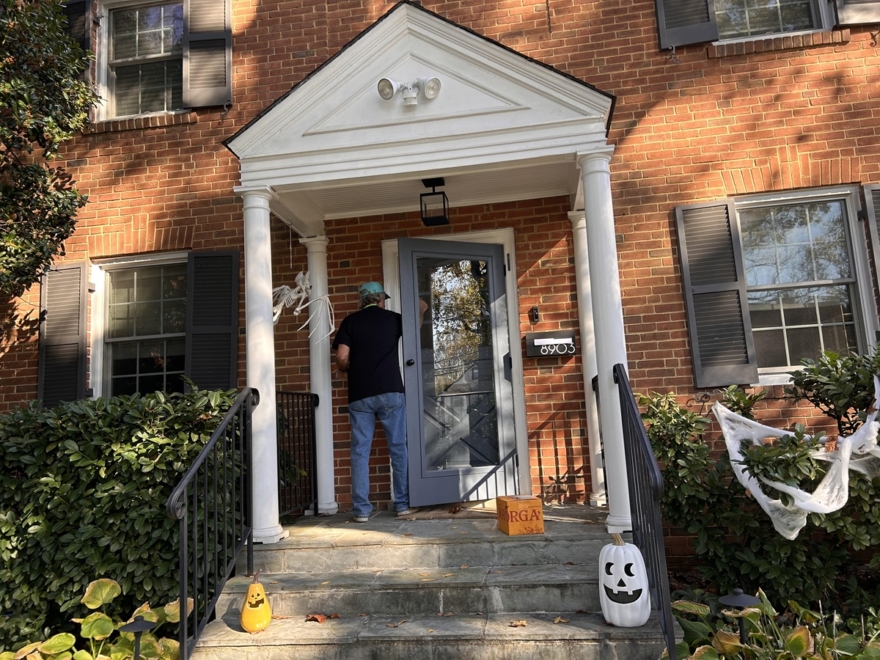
[[623, 584], [618, 587], [256, 612], [256, 597]]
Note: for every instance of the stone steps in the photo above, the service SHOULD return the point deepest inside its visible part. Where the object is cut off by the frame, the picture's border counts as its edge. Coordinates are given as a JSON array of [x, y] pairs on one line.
[[434, 589]]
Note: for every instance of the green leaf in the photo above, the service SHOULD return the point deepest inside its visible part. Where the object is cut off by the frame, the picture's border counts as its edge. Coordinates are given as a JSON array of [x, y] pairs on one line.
[[58, 643], [97, 625], [100, 592]]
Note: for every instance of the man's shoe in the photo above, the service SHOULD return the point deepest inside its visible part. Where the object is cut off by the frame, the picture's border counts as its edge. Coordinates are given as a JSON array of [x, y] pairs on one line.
[[361, 519], [408, 512]]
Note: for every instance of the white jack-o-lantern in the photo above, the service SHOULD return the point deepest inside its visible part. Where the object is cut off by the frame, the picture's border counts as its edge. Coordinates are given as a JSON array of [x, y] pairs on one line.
[[623, 584]]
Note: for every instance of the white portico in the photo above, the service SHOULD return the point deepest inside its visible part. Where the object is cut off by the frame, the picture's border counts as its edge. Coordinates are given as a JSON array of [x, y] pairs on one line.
[[502, 127]]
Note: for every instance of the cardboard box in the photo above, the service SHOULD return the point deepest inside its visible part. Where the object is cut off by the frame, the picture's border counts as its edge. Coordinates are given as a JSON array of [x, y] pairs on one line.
[[520, 514]]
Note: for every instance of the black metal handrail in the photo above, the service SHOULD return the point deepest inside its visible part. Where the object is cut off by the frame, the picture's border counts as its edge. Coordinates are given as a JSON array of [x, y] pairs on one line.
[[213, 504], [645, 494], [297, 452]]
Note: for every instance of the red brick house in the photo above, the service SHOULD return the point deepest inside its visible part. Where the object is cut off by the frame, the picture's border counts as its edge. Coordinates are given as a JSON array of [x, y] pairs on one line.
[[689, 188]]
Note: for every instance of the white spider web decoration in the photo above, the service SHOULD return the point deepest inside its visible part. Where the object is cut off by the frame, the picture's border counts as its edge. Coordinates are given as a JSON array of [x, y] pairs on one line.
[[299, 297], [857, 452]]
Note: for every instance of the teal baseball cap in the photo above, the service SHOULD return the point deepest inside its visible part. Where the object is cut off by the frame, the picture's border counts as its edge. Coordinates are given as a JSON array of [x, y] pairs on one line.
[[368, 288]]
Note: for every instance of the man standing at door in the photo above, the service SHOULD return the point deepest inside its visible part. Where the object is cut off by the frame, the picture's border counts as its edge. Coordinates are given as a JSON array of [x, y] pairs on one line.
[[366, 349]]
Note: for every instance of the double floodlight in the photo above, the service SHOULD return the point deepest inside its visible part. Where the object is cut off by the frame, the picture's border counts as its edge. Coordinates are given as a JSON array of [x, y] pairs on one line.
[[430, 87]]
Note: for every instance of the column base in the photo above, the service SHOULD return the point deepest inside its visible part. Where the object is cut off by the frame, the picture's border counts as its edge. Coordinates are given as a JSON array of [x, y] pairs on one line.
[[327, 508], [618, 524], [598, 500], [270, 535]]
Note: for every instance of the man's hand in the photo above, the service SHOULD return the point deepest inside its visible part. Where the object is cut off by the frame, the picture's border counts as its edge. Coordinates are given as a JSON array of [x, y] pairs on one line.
[[342, 355]]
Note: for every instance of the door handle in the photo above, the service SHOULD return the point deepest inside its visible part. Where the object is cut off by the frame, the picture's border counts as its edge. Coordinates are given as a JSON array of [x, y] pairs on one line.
[[410, 362]]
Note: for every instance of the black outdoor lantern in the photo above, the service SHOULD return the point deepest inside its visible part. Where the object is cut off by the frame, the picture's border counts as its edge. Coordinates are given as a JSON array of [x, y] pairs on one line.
[[434, 205], [739, 600], [139, 626]]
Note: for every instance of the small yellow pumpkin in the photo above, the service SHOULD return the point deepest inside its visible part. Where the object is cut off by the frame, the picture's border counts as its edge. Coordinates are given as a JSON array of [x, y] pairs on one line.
[[255, 612]]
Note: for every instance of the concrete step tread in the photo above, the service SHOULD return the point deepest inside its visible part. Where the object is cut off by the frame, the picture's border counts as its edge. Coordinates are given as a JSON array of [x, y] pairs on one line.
[[420, 578], [385, 529], [296, 631]]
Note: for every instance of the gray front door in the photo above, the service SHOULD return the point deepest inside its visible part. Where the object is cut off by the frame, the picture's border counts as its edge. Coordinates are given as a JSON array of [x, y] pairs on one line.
[[460, 429]]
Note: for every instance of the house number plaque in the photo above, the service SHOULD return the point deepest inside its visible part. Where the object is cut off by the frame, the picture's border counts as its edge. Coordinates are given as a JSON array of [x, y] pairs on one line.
[[550, 344]]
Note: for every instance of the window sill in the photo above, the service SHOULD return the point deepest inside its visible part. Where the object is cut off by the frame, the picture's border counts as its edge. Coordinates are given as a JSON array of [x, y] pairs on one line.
[[777, 43], [145, 121]]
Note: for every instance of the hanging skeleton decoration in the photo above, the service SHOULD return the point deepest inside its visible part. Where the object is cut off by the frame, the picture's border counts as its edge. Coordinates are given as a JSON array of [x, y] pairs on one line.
[[300, 298], [856, 452]]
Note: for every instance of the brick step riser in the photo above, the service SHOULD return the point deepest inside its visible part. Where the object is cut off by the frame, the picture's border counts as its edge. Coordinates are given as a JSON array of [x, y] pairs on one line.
[[426, 600], [415, 556]]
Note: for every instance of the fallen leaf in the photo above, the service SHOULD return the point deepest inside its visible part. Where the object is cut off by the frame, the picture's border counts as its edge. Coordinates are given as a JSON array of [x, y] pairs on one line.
[[464, 566], [327, 582], [395, 625], [581, 612], [455, 509], [519, 624], [449, 614], [335, 615], [424, 574], [427, 579], [406, 534], [430, 630], [559, 619], [448, 574], [320, 618], [280, 616]]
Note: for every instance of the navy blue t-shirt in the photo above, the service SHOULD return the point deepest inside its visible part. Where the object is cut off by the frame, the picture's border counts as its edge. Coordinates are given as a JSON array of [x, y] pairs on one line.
[[372, 335]]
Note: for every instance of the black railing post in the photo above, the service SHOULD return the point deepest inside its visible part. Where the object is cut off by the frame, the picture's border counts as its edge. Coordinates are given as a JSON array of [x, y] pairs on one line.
[[297, 450], [645, 494], [215, 517]]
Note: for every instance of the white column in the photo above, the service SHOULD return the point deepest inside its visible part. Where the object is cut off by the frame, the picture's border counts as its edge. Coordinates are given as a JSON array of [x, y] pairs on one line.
[[320, 371], [608, 329], [261, 364], [588, 353]]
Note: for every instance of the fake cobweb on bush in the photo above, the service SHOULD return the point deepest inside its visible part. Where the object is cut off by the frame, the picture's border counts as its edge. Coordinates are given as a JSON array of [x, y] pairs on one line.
[[858, 452], [300, 298]]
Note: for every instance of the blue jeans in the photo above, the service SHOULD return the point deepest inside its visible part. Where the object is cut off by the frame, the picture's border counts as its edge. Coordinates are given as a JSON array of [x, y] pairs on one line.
[[390, 408]]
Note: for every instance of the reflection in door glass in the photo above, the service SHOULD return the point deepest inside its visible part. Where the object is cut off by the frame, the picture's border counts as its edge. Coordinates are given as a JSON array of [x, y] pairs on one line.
[[458, 371]]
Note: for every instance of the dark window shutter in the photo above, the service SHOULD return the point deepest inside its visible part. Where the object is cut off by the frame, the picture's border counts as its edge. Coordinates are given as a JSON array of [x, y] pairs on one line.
[[715, 292], [858, 12], [62, 370], [683, 22], [76, 12], [212, 319], [872, 208], [207, 53]]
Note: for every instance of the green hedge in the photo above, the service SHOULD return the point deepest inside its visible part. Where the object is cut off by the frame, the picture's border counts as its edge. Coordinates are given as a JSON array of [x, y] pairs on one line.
[[82, 496]]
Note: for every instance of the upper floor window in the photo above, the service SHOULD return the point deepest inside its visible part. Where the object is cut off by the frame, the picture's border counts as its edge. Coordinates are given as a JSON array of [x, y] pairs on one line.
[[155, 56], [683, 22], [751, 18], [146, 59]]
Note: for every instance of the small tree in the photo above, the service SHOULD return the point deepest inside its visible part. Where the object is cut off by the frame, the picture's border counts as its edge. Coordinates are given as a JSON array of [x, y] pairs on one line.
[[43, 101]]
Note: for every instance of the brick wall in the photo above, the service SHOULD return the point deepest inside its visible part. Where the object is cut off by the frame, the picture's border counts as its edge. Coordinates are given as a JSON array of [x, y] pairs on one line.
[[773, 115]]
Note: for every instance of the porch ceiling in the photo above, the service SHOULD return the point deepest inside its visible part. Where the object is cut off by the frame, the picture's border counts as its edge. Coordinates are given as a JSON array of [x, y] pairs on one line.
[[503, 127]]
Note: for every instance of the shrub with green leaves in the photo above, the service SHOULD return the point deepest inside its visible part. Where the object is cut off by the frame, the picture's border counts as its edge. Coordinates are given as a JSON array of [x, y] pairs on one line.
[[712, 632], [82, 493], [97, 629], [735, 543]]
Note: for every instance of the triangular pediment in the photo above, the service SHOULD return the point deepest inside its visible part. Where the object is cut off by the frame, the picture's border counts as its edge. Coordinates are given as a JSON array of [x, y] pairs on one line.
[[494, 105]]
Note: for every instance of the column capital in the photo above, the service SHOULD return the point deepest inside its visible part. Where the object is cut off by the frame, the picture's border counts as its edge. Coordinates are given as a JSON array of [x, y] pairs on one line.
[[315, 243], [255, 194], [577, 218], [595, 161]]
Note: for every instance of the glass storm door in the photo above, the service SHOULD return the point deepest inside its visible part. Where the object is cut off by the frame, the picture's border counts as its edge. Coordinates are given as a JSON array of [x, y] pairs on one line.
[[456, 356]]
